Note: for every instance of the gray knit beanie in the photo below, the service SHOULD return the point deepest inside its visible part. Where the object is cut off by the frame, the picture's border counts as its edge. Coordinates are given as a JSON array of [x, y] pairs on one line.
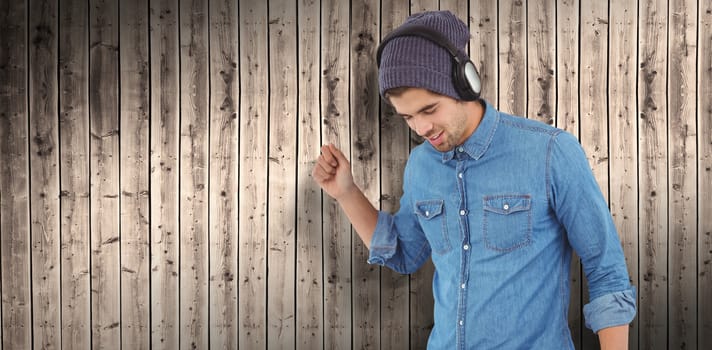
[[412, 61]]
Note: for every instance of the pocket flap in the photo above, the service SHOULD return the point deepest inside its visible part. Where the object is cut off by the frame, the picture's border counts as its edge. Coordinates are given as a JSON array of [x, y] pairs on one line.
[[507, 204], [429, 209]]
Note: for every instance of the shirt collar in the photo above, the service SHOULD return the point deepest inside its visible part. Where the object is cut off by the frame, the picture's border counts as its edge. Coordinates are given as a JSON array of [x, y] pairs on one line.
[[477, 143]]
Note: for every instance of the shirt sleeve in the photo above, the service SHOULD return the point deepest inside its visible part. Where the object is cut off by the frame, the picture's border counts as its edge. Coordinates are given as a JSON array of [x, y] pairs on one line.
[[398, 241], [582, 210]]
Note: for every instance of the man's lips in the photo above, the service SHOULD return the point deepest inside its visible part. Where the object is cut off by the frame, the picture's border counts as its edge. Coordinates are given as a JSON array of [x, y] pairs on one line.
[[437, 139]]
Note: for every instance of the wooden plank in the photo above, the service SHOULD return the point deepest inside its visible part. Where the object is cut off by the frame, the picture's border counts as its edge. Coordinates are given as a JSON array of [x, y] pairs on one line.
[[104, 176], [483, 46], [652, 170], [704, 175], [335, 129], [593, 117], [623, 136], [164, 198], [282, 190], [253, 172], [74, 170], [512, 57], [394, 154], [134, 144], [365, 161], [423, 5], [194, 175], [567, 118], [682, 177], [457, 7], [310, 277], [14, 179], [224, 134], [44, 182], [541, 73]]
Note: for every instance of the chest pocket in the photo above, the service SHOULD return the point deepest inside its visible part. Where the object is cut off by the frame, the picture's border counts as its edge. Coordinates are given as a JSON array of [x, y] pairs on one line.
[[507, 222], [431, 216]]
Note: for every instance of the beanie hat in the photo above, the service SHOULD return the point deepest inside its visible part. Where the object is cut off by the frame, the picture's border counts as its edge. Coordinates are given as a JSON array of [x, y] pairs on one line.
[[412, 61]]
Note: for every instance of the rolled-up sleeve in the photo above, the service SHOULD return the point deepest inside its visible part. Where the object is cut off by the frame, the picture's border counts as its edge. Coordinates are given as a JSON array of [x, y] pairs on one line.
[[582, 210], [614, 309], [398, 241]]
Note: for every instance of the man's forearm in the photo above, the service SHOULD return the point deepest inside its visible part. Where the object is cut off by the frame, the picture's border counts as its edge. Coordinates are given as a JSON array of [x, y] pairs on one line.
[[361, 213], [614, 338]]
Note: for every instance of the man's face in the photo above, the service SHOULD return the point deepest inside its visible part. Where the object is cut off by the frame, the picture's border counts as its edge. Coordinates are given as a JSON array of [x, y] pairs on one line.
[[441, 120]]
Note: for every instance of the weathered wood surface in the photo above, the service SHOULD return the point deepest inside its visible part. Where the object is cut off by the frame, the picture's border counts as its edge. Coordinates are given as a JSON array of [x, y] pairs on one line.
[[281, 252], [622, 147], [104, 173], [681, 176], [252, 251], [15, 218], [155, 187], [365, 164], [164, 167], [194, 174], [309, 266], [224, 161], [134, 174], [44, 167], [652, 170], [338, 303], [704, 175]]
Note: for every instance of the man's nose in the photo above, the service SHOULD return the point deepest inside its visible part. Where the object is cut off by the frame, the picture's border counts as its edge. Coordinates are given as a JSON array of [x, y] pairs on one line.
[[423, 128]]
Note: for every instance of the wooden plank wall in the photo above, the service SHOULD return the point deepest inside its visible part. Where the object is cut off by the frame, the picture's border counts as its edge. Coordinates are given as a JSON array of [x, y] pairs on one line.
[[155, 162]]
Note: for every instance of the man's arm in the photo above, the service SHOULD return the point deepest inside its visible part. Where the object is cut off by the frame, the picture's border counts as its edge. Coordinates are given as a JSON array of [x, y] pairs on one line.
[[614, 338], [333, 173]]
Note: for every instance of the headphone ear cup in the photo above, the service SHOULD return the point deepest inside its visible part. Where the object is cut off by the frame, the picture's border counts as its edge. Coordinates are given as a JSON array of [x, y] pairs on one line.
[[466, 79]]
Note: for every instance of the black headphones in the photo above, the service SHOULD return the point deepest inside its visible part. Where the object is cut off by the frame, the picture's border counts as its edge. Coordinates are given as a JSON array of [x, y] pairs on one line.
[[464, 74]]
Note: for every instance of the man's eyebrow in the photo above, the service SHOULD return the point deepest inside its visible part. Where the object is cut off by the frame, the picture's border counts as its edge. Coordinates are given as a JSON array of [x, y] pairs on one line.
[[425, 108]]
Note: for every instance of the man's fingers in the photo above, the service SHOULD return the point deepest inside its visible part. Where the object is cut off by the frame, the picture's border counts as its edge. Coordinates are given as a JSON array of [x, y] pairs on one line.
[[325, 166], [327, 154], [338, 154]]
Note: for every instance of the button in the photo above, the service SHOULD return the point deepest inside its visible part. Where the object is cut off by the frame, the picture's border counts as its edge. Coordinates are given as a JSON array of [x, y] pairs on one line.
[[459, 175], [463, 212], [462, 322], [506, 206], [462, 286], [466, 247], [460, 149], [427, 213]]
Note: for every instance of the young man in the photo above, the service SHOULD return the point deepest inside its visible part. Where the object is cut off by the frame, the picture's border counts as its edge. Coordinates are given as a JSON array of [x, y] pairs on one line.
[[499, 202]]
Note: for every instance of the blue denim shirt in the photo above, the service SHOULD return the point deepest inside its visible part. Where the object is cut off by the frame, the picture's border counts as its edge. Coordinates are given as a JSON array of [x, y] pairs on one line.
[[500, 216]]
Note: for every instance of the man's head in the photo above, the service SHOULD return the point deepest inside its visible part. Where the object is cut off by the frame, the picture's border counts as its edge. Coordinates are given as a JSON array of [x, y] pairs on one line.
[[427, 51]]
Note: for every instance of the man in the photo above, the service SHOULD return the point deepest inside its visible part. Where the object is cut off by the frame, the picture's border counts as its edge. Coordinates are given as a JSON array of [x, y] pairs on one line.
[[499, 202]]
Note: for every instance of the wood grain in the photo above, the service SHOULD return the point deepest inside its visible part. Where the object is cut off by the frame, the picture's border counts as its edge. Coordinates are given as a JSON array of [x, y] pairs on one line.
[[165, 124], [310, 277], [483, 47], [704, 175], [254, 88], [682, 179], [541, 65], [282, 172], [224, 161], [194, 175], [104, 174], [14, 179], [512, 57], [74, 170], [134, 146], [44, 181], [652, 174], [622, 147]]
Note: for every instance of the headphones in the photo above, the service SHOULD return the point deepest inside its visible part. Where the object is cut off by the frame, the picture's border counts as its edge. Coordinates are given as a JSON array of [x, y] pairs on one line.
[[464, 74]]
